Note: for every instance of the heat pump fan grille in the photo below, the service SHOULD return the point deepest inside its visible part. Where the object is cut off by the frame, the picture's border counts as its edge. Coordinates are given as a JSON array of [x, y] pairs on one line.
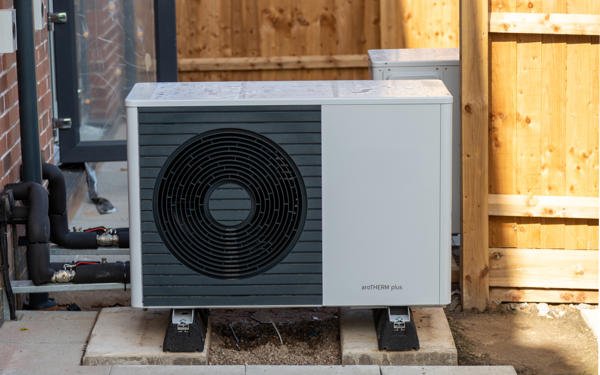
[[261, 192]]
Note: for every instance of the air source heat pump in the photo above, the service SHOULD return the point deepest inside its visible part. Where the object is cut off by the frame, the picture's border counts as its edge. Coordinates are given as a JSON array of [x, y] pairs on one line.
[[423, 63], [290, 193]]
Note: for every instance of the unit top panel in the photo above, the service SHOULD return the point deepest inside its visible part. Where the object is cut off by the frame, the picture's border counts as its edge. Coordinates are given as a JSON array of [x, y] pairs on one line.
[[287, 92]]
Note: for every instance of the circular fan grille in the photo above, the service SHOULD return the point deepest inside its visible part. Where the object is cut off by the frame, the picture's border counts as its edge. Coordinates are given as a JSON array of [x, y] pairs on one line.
[[229, 203]]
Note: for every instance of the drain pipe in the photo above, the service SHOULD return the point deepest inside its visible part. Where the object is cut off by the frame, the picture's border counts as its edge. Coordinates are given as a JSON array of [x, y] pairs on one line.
[[28, 115]]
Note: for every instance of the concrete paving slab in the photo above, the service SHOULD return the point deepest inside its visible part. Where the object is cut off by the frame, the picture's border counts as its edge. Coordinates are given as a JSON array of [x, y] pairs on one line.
[[313, 370], [178, 370], [41, 327], [128, 336], [359, 340], [45, 342], [592, 319], [44, 359], [48, 327], [448, 370], [71, 370], [112, 185]]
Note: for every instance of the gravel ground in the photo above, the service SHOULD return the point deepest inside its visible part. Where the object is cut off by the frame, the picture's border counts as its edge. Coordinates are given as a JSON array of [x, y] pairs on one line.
[[249, 337]]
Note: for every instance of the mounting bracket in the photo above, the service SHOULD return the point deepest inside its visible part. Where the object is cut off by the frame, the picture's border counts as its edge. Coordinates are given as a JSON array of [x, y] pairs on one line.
[[395, 329], [186, 331]]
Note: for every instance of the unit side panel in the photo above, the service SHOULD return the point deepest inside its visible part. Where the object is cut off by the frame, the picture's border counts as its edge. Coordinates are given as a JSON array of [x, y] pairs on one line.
[[381, 204], [450, 75], [451, 78]]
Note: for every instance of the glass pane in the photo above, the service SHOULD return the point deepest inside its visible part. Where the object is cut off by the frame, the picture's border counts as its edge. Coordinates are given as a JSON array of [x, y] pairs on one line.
[[115, 49]]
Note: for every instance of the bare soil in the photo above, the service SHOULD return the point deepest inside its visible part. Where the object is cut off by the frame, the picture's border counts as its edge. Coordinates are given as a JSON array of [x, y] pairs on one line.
[[249, 337], [532, 344]]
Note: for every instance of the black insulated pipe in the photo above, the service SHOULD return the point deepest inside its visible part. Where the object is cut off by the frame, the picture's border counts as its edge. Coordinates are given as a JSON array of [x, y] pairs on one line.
[[123, 234], [59, 223], [97, 272], [102, 273], [28, 117], [28, 113], [38, 230]]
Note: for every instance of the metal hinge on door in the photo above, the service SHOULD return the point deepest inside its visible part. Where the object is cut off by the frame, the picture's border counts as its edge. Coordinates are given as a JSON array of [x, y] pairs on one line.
[[62, 123], [56, 17]]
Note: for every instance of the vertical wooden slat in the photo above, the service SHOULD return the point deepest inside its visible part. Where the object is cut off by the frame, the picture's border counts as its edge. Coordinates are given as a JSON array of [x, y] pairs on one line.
[[345, 25], [225, 26], [389, 14], [313, 15], [267, 19], [372, 25], [593, 141], [578, 66], [582, 125], [251, 28], [328, 27], [474, 113], [451, 13], [553, 126], [238, 47], [210, 30], [419, 23], [528, 144], [503, 126]]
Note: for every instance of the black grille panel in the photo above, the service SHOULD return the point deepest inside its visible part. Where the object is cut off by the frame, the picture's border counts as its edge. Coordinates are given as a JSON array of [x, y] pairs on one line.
[[293, 279], [202, 215]]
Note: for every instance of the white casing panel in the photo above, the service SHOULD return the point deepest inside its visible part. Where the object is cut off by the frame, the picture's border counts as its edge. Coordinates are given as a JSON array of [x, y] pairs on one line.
[[428, 63], [135, 223], [386, 181], [8, 31], [39, 13], [384, 230]]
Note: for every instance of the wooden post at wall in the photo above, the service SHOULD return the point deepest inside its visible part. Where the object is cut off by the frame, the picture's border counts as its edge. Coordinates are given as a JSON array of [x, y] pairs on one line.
[[474, 112]]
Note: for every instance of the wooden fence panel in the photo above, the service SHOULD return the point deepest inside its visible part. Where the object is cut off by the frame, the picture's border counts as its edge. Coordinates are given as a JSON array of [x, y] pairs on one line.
[[208, 29], [419, 23], [543, 138]]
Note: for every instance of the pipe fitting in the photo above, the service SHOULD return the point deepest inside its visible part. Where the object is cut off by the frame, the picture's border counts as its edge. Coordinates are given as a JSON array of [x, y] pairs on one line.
[[63, 276], [107, 240]]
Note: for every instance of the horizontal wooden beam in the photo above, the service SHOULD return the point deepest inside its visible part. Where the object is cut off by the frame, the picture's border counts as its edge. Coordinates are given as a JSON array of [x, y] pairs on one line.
[[272, 63], [545, 23], [543, 295], [544, 268], [543, 206]]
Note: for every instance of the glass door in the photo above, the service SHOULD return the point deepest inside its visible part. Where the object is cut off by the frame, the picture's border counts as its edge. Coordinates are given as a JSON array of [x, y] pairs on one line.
[[100, 52]]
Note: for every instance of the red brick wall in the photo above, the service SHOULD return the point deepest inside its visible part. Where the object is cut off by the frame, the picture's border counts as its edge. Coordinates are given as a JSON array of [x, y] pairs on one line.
[[10, 138], [102, 40]]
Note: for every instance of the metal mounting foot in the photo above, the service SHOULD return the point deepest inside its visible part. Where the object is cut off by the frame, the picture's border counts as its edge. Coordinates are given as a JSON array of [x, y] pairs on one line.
[[186, 331], [395, 329]]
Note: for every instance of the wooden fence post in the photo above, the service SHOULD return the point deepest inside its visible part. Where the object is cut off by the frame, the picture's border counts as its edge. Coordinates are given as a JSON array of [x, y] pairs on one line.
[[474, 113]]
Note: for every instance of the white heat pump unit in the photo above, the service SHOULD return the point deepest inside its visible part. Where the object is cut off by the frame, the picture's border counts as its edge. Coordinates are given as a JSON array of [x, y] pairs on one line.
[[424, 63], [263, 194]]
